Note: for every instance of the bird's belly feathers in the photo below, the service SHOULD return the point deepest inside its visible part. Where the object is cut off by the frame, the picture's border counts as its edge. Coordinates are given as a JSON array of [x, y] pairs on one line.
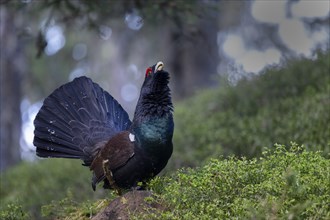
[[139, 168]]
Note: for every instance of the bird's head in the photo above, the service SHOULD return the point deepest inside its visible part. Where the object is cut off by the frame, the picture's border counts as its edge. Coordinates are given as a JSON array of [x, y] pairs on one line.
[[154, 69], [156, 79]]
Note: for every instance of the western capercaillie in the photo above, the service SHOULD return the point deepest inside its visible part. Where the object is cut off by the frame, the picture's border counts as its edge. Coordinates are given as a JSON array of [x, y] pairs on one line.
[[80, 120]]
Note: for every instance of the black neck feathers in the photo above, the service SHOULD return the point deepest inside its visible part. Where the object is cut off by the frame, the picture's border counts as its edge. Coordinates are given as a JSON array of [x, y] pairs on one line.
[[155, 98]]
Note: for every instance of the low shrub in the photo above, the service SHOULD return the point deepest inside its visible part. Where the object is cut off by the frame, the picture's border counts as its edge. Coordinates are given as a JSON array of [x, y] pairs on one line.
[[282, 184]]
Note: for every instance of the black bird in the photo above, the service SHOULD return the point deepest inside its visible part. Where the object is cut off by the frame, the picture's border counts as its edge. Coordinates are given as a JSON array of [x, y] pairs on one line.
[[80, 120]]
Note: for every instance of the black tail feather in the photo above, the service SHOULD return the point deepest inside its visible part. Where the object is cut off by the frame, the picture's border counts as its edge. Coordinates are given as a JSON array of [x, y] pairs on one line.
[[76, 119], [54, 148], [47, 153]]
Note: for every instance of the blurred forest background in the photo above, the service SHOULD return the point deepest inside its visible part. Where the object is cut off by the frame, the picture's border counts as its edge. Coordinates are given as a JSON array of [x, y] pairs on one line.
[[226, 61], [47, 43]]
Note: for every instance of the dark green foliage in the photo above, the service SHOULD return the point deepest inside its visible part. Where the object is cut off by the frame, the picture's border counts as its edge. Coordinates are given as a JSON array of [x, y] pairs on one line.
[[282, 184], [13, 211], [68, 208], [282, 105], [37, 184]]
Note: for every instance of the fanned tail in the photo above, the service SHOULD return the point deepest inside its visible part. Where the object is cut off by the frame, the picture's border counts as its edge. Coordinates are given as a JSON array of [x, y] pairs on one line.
[[76, 120]]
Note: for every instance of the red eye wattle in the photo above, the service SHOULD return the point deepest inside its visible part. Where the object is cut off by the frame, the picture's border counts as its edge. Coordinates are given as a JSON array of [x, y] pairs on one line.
[[148, 71]]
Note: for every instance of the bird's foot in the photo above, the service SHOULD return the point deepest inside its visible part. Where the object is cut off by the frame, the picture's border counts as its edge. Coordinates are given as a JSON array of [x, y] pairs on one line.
[[109, 176]]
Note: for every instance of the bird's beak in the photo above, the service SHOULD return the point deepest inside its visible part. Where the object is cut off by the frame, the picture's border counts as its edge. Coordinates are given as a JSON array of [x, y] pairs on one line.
[[159, 66]]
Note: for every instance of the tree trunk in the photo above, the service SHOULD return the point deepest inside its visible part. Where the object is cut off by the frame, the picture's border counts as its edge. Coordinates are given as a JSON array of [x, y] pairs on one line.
[[12, 63], [193, 55]]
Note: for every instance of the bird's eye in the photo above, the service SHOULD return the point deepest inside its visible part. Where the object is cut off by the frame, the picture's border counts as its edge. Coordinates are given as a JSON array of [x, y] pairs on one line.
[[148, 71]]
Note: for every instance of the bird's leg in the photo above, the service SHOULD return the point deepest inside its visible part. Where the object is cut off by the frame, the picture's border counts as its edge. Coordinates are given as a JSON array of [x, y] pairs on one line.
[[109, 176]]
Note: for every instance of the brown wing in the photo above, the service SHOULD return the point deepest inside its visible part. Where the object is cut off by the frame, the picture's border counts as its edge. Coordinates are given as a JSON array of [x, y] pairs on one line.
[[117, 151]]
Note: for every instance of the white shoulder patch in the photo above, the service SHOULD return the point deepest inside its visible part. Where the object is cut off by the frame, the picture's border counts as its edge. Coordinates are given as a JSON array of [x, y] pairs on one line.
[[131, 137]]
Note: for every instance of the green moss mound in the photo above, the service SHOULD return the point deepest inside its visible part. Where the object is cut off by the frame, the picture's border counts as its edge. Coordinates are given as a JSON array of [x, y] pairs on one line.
[[283, 184]]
